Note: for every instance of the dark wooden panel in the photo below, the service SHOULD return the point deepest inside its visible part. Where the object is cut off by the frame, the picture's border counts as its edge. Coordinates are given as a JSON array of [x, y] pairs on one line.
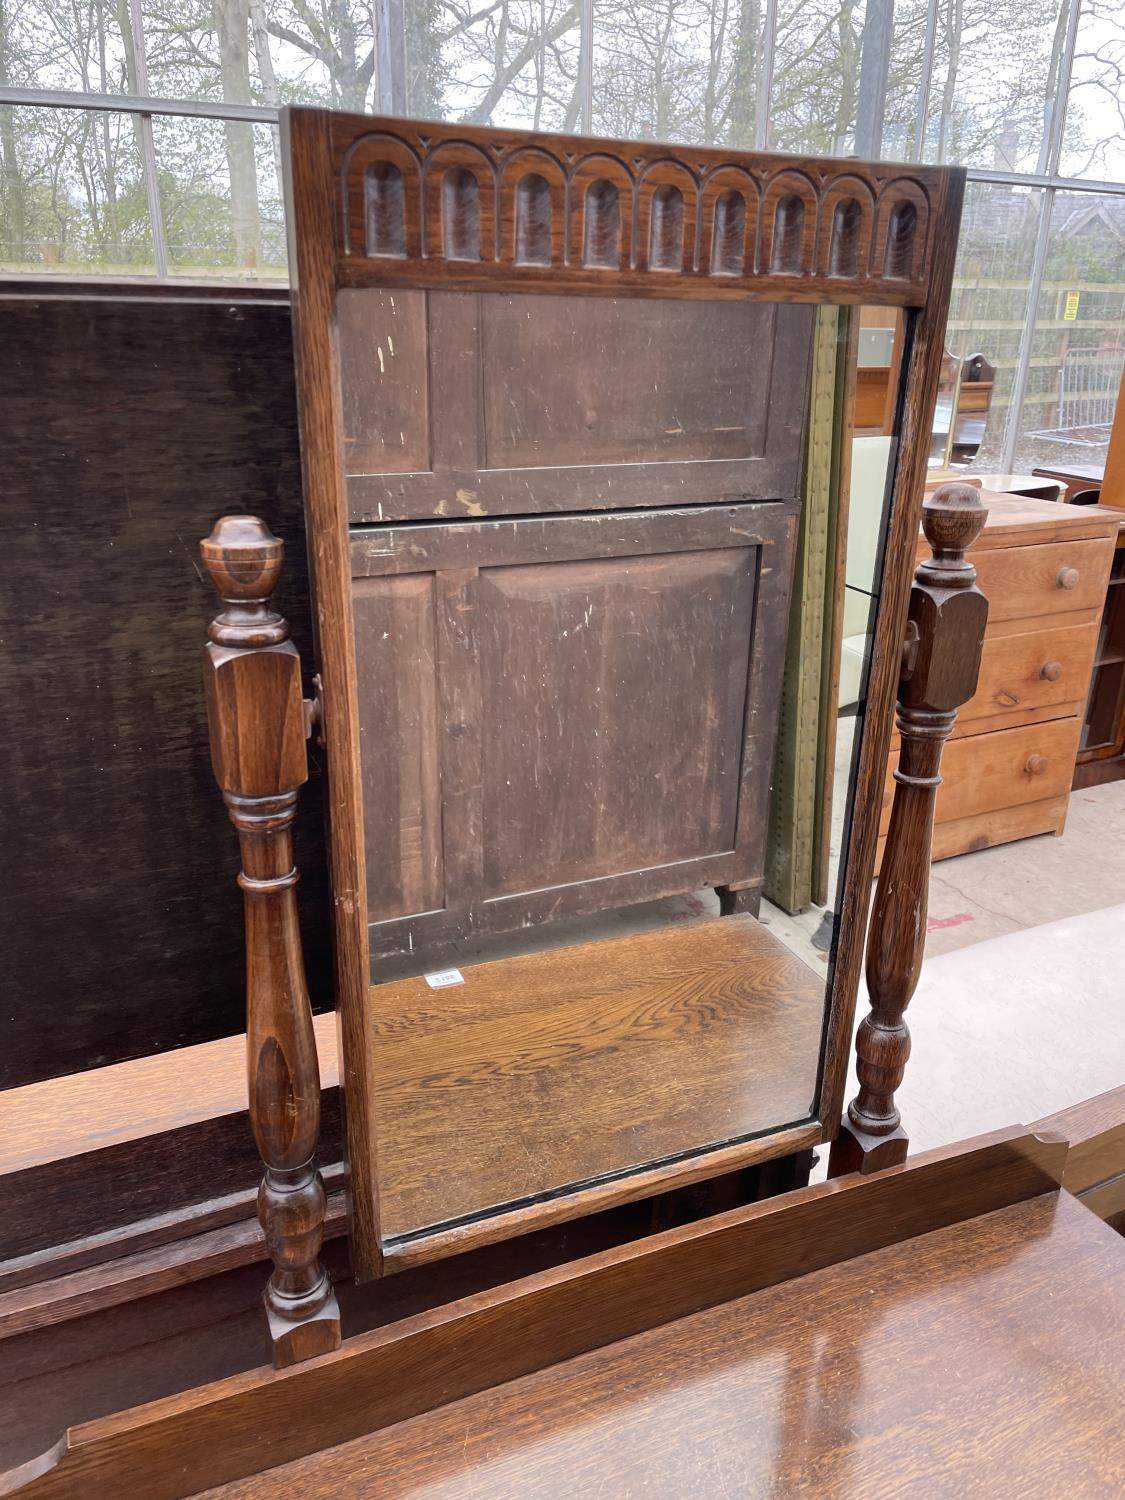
[[383, 357], [579, 662], [605, 696], [127, 426], [565, 403], [395, 644], [672, 380]]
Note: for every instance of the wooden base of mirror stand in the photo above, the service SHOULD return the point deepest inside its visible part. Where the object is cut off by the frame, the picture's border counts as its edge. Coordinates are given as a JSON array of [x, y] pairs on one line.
[[941, 659], [257, 721]]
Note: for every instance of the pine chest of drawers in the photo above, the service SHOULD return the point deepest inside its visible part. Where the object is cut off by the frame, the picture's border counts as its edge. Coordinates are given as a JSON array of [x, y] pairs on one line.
[[1007, 769]]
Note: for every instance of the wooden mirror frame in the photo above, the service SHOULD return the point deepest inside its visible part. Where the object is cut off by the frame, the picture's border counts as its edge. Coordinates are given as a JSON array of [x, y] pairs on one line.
[[815, 231]]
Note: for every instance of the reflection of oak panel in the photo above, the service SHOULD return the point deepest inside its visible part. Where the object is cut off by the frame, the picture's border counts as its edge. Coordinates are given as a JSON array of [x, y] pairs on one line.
[[394, 628], [464, 405], [672, 380], [613, 698], [564, 1066], [383, 381]]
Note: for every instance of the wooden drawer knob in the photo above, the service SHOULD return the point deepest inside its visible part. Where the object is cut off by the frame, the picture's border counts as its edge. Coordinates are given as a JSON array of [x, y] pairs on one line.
[[1035, 765], [1067, 578], [1051, 671]]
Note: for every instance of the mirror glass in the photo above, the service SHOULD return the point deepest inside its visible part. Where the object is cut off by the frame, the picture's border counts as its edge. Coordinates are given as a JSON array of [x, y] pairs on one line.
[[615, 565]]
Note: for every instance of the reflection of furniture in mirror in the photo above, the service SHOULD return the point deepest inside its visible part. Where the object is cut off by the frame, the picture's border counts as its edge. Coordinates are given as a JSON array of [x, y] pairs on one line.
[[974, 397], [1074, 479], [1101, 755], [878, 368], [1020, 484], [1008, 767], [483, 646], [799, 841], [534, 518], [964, 400]]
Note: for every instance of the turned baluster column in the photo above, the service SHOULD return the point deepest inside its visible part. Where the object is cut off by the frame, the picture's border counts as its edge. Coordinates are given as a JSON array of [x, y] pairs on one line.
[[941, 660], [257, 723]]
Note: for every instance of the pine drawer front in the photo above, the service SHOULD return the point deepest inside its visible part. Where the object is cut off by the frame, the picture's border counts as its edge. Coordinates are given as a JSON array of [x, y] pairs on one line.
[[1045, 673], [1023, 582], [1005, 769]]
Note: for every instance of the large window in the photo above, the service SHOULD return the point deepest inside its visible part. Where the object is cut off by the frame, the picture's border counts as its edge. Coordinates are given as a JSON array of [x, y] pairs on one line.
[[138, 137]]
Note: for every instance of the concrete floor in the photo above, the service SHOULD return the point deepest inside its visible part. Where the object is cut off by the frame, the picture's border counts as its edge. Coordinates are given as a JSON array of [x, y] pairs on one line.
[[1021, 885], [1020, 1010]]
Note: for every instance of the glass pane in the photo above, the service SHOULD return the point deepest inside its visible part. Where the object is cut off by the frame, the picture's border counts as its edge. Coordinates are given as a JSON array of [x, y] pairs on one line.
[[1079, 347], [76, 202], [512, 64], [266, 52], [209, 229], [986, 318], [995, 76], [47, 45], [1094, 137], [555, 998], [686, 72], [816, 76], [904, 80]]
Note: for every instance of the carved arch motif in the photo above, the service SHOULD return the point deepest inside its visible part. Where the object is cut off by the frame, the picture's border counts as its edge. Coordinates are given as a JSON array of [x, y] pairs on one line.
[[789, 215], [601, 213], [533, 218], [729, 211], [667, 211], [460, 188], [901, 231], [363, 174], [845, 229], [415, 198]]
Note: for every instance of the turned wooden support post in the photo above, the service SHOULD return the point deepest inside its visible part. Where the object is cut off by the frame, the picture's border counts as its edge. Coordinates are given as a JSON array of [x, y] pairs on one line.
[[941, 660], [257, 722]]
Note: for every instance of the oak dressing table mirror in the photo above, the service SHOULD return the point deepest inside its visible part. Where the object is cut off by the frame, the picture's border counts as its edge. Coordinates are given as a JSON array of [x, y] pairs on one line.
[[575, 428]]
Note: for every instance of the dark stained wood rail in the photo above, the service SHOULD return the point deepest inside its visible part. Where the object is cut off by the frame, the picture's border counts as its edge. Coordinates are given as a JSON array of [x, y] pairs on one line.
[[941, 659], [557, 213], [256, 715]]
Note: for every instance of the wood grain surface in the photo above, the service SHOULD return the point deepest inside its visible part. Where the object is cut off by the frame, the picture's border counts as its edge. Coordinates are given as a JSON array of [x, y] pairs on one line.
[[563, 714], [970, 1362], [570, 1066], [461, 405], [1005, 769], [228, 1430], [560, 213]]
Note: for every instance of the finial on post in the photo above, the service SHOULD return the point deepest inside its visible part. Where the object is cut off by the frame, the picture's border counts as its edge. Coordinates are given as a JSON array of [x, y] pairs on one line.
[[257, 723], [941, 662], [243, 560]]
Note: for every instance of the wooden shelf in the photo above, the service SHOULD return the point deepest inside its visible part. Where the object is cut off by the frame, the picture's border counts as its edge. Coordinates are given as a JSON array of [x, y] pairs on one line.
[[573, 1066]]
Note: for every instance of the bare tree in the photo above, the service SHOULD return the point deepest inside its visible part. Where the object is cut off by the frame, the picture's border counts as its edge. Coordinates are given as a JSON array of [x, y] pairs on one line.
[[232, 28]]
